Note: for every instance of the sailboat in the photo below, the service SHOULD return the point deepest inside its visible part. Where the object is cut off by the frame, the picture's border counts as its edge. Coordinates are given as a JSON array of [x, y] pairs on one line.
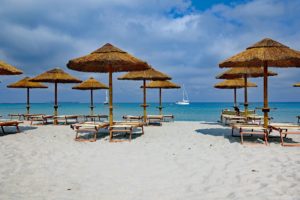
[[106, 99], [185, 98]]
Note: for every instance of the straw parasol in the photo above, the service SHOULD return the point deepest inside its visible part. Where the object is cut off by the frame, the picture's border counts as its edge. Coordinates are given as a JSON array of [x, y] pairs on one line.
[[108, 59], [297, 85], [26, 83], [149, 74], [55, 76], [265, 53], [6, 69], [245, 73], [90, 84], [234, 84], [161, 85]]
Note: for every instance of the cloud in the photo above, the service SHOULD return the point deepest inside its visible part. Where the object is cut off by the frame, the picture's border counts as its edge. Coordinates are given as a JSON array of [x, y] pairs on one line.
[[172, 35]]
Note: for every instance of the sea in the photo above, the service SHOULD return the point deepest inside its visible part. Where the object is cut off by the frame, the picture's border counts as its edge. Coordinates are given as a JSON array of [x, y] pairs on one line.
[[201, 111]]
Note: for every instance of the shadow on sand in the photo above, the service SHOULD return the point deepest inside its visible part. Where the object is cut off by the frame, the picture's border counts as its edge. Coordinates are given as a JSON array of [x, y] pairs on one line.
[[12, 130]]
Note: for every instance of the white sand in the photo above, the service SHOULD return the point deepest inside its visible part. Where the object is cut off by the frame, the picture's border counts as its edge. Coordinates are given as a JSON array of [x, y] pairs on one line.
[[181, 160]]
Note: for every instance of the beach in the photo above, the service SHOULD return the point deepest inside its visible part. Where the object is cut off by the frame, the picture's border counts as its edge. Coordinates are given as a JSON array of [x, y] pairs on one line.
[[179, 160]]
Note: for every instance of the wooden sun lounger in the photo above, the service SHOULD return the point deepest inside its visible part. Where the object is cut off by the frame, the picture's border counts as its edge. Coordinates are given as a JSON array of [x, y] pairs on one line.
[[94, 117], [132, 118], [65, 118], [16, 116], [250, 129], [285, 129], [39, 118], [9, 123], [155, 119], [90, 128], [124, 127], [168, 118]]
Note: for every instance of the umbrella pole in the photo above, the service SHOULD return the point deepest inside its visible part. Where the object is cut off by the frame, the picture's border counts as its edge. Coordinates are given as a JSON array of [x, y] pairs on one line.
[[28, 102], [55, 103], [234, 92], [246, 96], [92, 103], [110, 98], [160, 102], [266, 108], [145, 105]]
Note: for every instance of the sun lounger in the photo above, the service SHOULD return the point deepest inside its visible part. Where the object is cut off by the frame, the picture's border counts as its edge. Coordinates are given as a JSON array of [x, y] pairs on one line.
[[250, 129], [95, 117], [155, 119], [285, 129], [124, 127], [168, 118], [16, 116], [9, 123], [298, 119], [44, 119], [90, 128], [66, 118], [132, 118]]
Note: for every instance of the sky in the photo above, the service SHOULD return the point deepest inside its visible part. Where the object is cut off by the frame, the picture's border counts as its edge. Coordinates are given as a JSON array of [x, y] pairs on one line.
[[185, 39]]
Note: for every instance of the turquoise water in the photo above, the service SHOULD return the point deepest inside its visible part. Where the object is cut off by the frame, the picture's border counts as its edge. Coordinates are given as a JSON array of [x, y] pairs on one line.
[[285, 112]]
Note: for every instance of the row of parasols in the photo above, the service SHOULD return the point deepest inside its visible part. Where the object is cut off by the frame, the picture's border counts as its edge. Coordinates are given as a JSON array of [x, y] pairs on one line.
[[254, 62], [107, 59]]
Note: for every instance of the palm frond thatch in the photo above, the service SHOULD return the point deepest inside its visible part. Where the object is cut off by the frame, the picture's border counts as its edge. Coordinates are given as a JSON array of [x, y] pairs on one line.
[[162, 84], [26, 83], [6, 69], [90, 84], [56, 75], [234, 83], [149, 74], [105, 59], [241, 72], [267, 50], [297, 85]]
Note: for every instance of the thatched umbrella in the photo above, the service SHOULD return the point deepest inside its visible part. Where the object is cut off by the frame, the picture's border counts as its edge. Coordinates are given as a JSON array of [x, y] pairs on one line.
[[245, 73], [26, 83], [90, 84], [234, 84], [55, 76], [149, 74], [108, 59], [161, 85], [266, 52], [297, 85], [6, 69]]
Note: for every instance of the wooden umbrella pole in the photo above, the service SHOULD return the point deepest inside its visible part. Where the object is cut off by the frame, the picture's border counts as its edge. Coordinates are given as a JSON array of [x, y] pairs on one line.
[[55, 103], [28, 101], [234, 93], [110, 98], [145, 101], [266, 108], [246, 96], [92, 102], [160, 102]]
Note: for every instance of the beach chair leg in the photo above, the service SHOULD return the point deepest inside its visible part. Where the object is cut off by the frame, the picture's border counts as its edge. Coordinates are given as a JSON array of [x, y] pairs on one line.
[[76, 136], [95, 136], [266, 137], [2, 130], [130, 134], [143, 130], [110, 135], [17, 127], [281, 138], [242, 138]]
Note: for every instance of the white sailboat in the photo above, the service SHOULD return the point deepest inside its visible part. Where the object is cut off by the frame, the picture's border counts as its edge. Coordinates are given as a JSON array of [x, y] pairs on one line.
[[185, 98], [106, 98]]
